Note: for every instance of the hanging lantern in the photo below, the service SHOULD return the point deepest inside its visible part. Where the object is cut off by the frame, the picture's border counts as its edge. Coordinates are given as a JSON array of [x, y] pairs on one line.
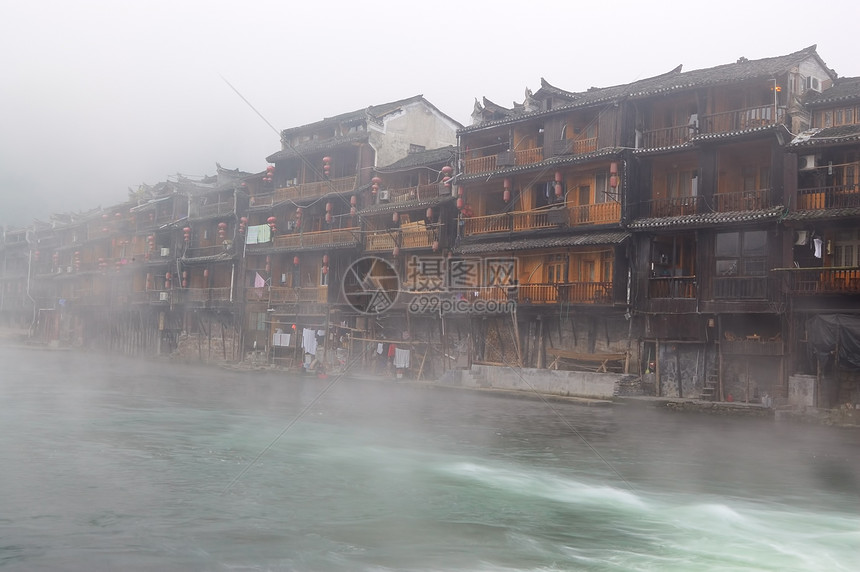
[[446, 181], [104, 216], [328, 218], [394, 216], [187, 234], [396, 251], [460, 202], [429, 213], [271, 220], [507, 183], [375, 180], [325, 269], [328, 207], [296, 260], [205, 273], [506, 195], [435, 246], [447, 170], [613, 175], [353, 200], [460, 190], [558, 189], [351, 211], [558, 176], [36, 256], [325, 259], [299, 211]]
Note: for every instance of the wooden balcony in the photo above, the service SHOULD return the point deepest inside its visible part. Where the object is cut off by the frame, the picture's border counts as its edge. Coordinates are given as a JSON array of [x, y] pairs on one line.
[[743, 201], [203, 251], [741, 288], [667, 136], [741, 119], [601, 213], [318, 238], [479, 164], [414, 236], [315, 189], [676, 206], [574, 146], [154, 296], [529, 156], [307, 294], [824, 198], [551, 293], [262, 200], [524, 221], [815, 281], [417, 193], [217, 209], [683, 287]]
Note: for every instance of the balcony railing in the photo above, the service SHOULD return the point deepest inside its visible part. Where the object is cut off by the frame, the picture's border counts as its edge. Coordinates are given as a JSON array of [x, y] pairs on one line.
[[741, 287], [520, 221], [672, 287], [601, 213], [203, 251], [217, 209], [740, 119], [419, 192], [529, 156], [479, 164], [206, 294], [667, 136], [676, 206], [743, 201], [422, 236], [315, 189], [306, 294], [574, 146], [813, 281], [550, 293], [262, 200], [823, 198], [317, 238]]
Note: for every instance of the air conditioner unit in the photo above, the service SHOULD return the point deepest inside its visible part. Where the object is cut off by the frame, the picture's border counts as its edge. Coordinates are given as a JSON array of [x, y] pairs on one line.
[[813, 84], [291, 225], [806, 162], [165, 252], [162, 296], [384, 196]]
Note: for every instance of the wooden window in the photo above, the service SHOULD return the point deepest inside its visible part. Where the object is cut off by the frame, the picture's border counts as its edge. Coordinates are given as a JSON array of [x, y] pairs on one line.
[[556, 269], [741, 253]]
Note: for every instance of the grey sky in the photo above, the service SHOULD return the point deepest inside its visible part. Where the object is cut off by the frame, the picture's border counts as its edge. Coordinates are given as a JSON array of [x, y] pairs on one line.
[[100, 96]]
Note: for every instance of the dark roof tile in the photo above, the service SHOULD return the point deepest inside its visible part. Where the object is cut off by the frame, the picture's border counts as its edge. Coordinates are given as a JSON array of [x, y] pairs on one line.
[[707, 219], [590, 239]]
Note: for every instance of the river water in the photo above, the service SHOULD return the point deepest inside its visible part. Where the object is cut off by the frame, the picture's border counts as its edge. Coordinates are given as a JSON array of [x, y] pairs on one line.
[[123, 465]]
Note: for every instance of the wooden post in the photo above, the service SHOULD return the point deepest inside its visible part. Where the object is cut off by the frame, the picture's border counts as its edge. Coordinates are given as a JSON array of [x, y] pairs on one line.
[[516, 331], [657, 367]]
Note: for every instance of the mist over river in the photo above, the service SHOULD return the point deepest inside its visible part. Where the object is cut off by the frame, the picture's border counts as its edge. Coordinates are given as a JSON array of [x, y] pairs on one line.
[[116, 464]]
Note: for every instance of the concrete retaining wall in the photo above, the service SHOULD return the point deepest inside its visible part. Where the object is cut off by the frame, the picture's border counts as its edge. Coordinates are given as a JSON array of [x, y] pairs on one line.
[[567, 383]]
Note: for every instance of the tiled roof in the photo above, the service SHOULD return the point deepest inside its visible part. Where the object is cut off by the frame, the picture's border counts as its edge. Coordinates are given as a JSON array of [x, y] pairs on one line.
[[844, 89], [827, 136], [405, 205], [421, 159], [823, 214], [258, 249], [371, 112], [673, 81], [707, 219], [316, 146], [590, 239]]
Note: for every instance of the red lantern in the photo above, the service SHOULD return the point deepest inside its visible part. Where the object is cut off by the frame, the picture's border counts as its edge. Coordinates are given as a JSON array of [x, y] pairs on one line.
[[460, 191], [328, 217], [435, 246], [205, 273], [396, 251], [558, 189], [506, 196], [460, 203], [325, 269], [558, 176], [394, 216], [613, 180], [325, 259], [271, 220], [326, 159], [375, 180], [507, 183], [429, 213], [351, 211], [296, 260], [446, 181], [353, 200], [447, 169], [613, 167], [328, 207]]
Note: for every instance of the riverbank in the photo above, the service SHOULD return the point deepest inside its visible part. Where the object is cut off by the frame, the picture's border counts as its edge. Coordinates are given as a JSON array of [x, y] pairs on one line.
[[590, 390]]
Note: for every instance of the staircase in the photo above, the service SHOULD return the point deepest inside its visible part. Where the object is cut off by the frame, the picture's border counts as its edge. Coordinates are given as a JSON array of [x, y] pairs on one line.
[[712, 382]]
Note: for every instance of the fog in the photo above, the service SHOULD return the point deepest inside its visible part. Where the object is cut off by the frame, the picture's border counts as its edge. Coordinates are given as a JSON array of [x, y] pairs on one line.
[[98, 97]]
